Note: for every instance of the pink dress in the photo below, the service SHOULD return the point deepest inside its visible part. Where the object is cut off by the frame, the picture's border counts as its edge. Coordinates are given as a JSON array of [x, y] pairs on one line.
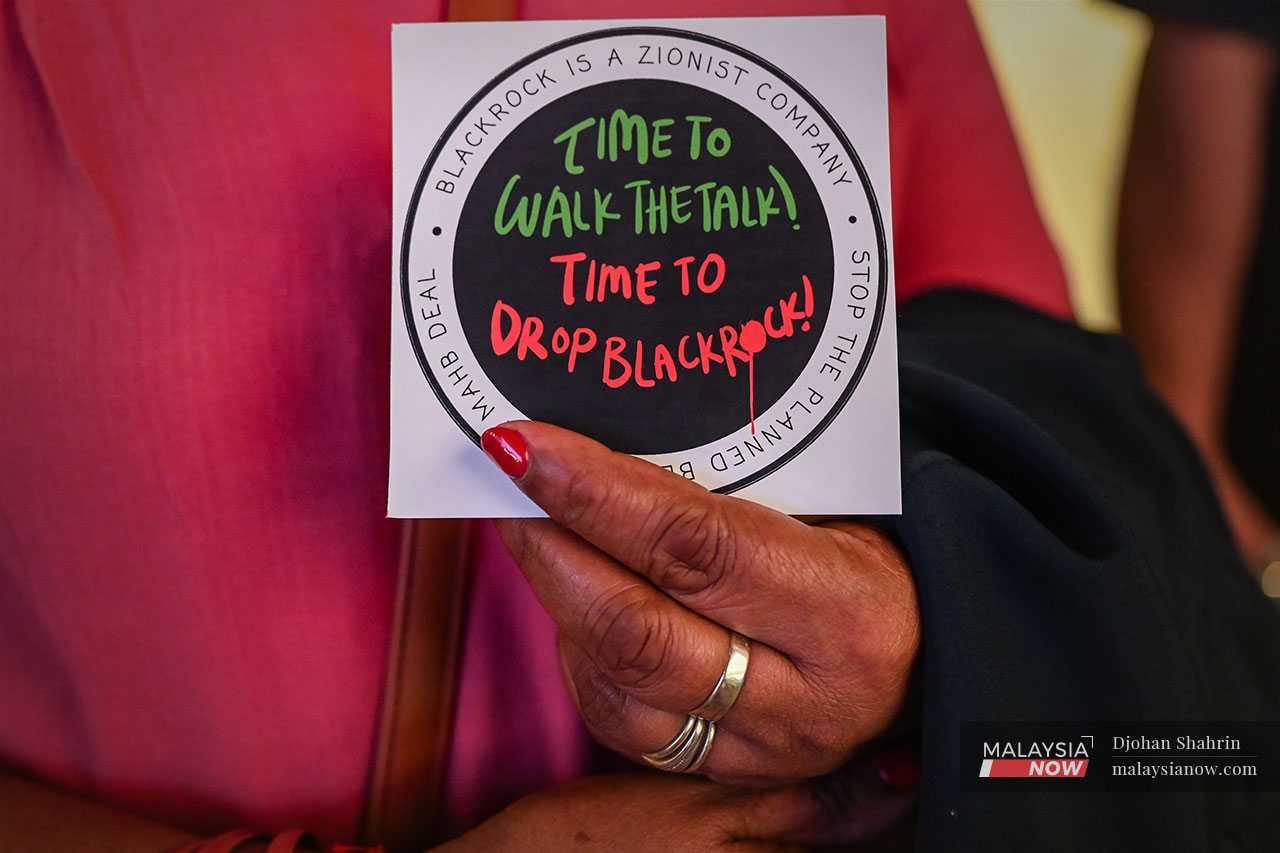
[[196, 575]]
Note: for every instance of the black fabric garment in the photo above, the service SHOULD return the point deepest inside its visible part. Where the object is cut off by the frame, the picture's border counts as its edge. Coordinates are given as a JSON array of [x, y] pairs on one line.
[[1252, 433], [1072, 564]]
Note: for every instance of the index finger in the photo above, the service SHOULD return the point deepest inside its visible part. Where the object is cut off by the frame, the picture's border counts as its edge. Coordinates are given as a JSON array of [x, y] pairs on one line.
[[729, 559]]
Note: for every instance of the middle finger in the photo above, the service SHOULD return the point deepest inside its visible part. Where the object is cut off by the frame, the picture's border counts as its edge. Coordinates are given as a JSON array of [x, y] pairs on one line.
[[647, 644]]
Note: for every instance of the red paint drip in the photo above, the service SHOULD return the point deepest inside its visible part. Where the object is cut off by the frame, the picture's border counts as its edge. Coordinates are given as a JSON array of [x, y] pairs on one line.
[[753, 338], [808, 300]]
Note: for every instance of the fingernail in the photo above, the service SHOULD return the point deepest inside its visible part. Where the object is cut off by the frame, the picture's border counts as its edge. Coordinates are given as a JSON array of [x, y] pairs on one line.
[[507, 448], [899, 769]]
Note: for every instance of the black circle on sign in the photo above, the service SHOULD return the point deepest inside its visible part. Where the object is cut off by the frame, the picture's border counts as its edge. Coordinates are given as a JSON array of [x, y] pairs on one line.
[[762, 265], [406, 291]]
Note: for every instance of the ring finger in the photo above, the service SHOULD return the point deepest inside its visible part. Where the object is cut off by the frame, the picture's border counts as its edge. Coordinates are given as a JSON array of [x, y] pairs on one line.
[[644, 643], [627, 725]]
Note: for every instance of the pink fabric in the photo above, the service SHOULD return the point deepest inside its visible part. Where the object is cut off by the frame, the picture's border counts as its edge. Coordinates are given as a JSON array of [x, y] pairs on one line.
[[517, 728], [196, 577]]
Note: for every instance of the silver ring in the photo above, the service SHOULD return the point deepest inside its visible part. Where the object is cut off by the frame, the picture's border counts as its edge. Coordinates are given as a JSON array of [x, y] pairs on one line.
[[687, 750], [658, 757], [703, 751], [726, 691]]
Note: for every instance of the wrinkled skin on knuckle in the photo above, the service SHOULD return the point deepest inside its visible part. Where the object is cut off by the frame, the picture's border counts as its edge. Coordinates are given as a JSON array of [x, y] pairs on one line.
[[602, 705], [875, 645], [878, 626], [632, 638], [580, 496], [899, 636], [594, 496], [694, 547], [530, 545]]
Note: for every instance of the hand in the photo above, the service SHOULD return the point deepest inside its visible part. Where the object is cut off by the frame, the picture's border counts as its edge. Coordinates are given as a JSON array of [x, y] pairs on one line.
[[645, 573], [681, 813]]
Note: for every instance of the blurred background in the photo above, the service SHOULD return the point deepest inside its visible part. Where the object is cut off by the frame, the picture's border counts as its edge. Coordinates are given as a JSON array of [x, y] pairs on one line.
[[1195, 226], [1068, 70]]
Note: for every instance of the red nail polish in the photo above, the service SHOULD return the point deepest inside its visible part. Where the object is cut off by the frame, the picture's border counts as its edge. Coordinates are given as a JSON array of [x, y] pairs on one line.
[[507, 448], [899, 769]]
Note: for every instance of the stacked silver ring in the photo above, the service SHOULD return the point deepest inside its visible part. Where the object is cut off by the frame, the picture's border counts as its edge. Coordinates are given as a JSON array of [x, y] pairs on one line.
[[688, 750]]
